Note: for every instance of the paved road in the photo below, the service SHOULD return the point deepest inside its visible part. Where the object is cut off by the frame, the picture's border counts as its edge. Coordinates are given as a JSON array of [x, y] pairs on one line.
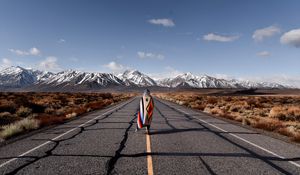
[[181, 141]]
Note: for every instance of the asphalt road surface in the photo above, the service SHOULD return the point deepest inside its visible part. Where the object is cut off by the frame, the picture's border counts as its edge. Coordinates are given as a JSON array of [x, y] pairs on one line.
[[181, 141]]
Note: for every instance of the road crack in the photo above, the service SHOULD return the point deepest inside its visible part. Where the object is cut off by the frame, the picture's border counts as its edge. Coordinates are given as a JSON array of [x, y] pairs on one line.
[[49, 152], [112, 162]]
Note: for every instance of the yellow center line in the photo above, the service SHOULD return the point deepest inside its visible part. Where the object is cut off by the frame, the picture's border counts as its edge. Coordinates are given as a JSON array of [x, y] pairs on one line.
[[149, 157]]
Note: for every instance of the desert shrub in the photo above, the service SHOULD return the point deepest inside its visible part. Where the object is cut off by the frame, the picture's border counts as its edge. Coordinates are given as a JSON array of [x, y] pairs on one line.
[[199, 106], [252, 102], [278, 112], [21, 100], [263, 113], [296, 137], [11, 108], [285, 131], [60, 111], [23, 111], [79, 101], [269, 125], [227, 99], [106, 95], [6, 118], [49, 110], [36, 108], [285, 113], [18, 127], [71, 115], [5, 115], [62, 99], [80, 110], [180, 102], [236, 108], [95, 105], [212, 100], [294, 113], [46, 120], [199, 98], [218, 111]]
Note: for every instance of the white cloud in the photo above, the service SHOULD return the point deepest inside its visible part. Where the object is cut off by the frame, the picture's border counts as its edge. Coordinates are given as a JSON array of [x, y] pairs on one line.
[[261, 34], [5, 62], [49, 64], [291, 37], [169, 72], [32, 51], [115, 67], [263, 54], [61, 40], [144, 55], [289, 80], [223, 76], [220, 38], [164, 22]]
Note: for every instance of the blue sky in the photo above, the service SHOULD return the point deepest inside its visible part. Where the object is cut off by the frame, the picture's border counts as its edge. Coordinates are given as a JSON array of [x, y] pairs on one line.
[[257, 40]]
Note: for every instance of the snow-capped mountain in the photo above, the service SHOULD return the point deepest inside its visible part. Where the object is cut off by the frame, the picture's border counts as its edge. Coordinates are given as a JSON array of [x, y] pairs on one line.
[[18, 77], [190, 80], [134, 77], [78, 79], [250, 84]]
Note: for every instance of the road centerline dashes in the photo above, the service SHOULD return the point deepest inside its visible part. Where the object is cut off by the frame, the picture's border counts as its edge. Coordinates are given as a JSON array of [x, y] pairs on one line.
[[149, 157]]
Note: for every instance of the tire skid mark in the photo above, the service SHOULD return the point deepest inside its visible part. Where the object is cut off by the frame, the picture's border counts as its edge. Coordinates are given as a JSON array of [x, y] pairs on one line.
[[49, 153]]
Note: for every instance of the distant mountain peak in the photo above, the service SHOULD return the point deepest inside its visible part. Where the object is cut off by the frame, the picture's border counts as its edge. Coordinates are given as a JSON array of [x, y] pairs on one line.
[[19, 77], [135, 77]]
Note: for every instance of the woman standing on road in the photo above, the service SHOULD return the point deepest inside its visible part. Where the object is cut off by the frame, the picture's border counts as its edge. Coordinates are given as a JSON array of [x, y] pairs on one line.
[[144, 117]]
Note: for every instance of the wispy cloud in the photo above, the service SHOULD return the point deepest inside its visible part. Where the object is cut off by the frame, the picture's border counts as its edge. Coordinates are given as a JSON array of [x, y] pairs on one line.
[[263, 54], [61, 40], [291, 37], [290, 80], [49, 64], [220, 38], [168, 72], [5, 62], [32, 51], [144, 55], [115, 67], [261, 34], [163, 21], [223, 76]]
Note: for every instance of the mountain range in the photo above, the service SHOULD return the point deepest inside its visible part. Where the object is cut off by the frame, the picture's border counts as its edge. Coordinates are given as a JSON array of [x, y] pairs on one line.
[[28, 79]]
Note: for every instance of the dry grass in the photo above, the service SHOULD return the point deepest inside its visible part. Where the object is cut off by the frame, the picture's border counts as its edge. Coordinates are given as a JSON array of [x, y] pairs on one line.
[[279, 114], [23, 112], [19, 127], [291, 113], [48, 108], [296, 137]]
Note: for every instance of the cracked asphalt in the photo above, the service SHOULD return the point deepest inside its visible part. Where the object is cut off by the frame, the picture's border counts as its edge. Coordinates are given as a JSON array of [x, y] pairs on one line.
[[183, 141]]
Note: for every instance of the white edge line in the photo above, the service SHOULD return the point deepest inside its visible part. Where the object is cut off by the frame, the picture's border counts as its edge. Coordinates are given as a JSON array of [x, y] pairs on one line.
[[238, 137], [55, 138]]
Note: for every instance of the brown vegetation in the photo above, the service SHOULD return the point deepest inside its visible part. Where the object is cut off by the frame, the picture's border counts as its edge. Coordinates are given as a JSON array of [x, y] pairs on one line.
[[21, 112], [279, 114]]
